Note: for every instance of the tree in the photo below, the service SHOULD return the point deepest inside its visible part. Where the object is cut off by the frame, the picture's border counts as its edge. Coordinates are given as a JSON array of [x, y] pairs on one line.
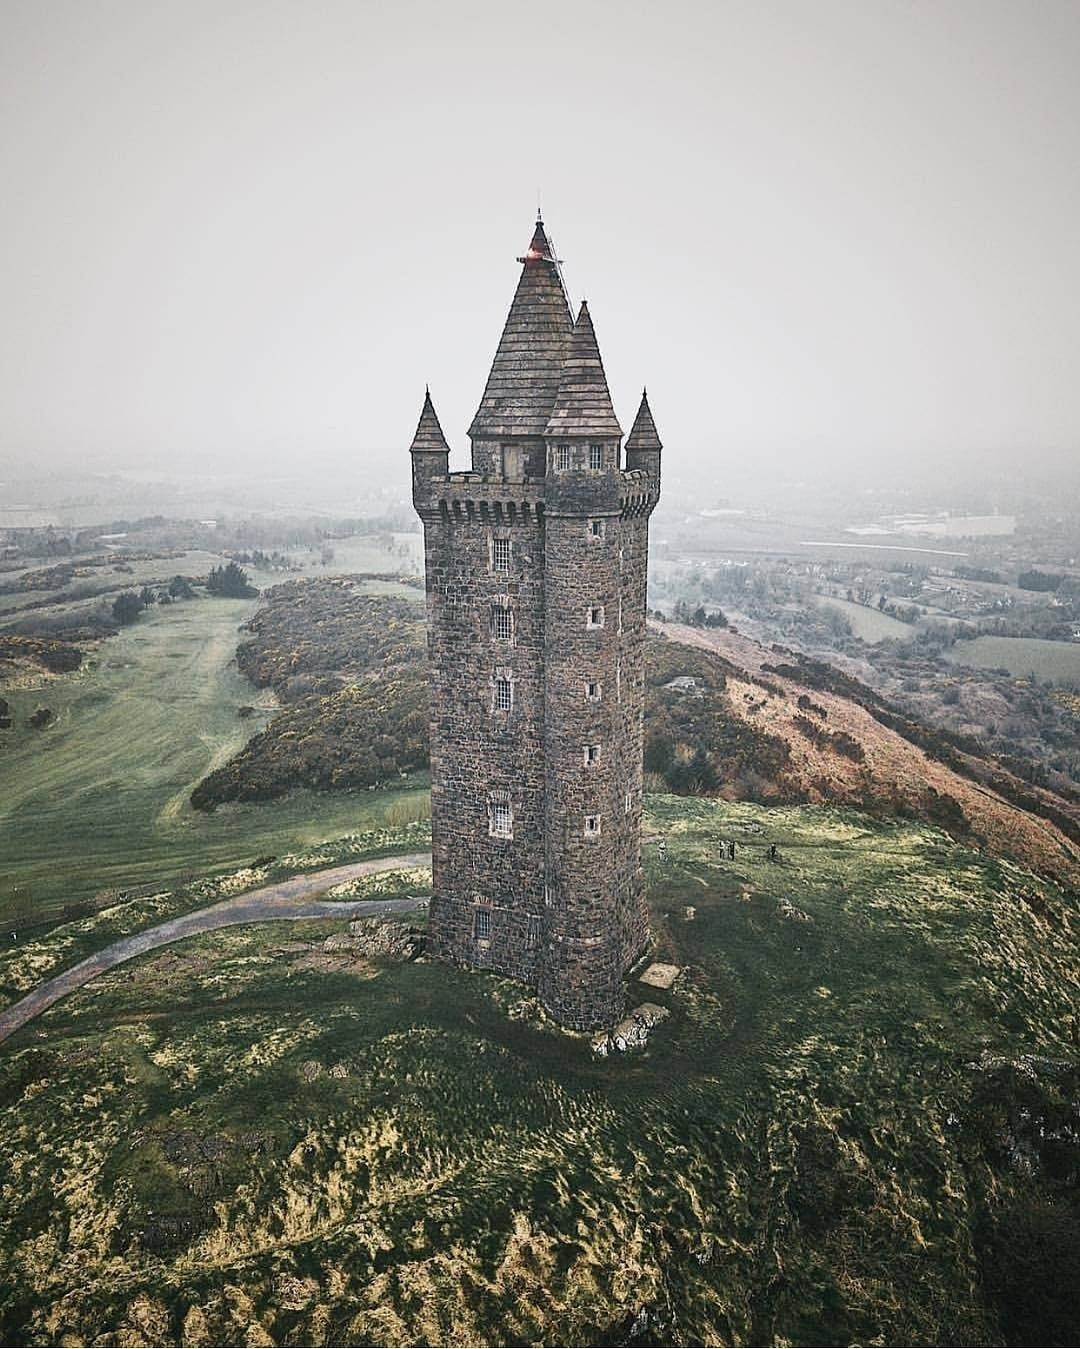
[[127, 607], [180, 588], [231, 582]]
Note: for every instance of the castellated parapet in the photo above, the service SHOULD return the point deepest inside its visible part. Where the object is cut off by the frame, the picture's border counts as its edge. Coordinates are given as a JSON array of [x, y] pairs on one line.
[[536, 565]]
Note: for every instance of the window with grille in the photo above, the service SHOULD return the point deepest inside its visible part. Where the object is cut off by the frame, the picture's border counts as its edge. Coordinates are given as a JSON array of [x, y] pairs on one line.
[[500, 554], [592, 826], [532, 932], [502, 819], [564, 458], [596, 456], [502, 625], [482, 923], [596, 529], [595, 616], [593, 692], [504, 695], [592, 753]]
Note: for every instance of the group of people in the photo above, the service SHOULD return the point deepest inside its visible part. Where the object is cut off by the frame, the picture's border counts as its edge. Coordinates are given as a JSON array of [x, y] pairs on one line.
[[724, 849]]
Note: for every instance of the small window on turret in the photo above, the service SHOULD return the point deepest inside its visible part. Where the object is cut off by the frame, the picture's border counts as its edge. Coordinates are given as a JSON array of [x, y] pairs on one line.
[[596, 529], [564, 458], [593, 692], [596, 456], [592, 826], [592, 754], [594, 618]]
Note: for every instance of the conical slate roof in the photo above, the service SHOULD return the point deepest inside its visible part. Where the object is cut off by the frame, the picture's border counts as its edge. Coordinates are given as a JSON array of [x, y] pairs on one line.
[[583, 402], [643, 434], [429, 434], [525, 372]]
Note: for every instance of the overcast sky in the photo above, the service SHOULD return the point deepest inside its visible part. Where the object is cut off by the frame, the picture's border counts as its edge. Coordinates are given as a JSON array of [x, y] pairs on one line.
[[817, 230]]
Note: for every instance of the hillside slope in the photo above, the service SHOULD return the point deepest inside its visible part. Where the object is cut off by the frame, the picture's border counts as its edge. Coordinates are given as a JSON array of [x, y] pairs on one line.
[[858, 1124], [839, 751]]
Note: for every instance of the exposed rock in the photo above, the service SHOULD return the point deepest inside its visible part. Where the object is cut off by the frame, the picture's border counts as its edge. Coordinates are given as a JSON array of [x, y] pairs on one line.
[[632, 1032], [378, 937], [659, 975], [786, 910]]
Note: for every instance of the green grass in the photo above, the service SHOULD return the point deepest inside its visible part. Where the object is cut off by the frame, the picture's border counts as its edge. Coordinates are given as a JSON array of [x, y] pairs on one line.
[[237, 1141], [869, 625], [1021, 656], [98, 799]]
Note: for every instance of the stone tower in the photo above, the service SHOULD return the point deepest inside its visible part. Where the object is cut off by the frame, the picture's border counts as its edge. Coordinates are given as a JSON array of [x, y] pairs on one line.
[[536, 566]]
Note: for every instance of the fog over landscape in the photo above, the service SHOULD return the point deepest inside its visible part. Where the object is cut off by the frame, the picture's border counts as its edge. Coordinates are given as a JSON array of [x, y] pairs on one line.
[[824, 235], [624, 893]]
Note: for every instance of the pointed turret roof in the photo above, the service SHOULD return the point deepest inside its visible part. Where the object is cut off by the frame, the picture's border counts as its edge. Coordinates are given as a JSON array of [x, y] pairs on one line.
[[524, 375], [429, 434], [643, 434], [583, 402]]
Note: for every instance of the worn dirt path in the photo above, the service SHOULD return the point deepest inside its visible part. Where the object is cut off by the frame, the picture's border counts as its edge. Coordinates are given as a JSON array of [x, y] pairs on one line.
[[294, 898]]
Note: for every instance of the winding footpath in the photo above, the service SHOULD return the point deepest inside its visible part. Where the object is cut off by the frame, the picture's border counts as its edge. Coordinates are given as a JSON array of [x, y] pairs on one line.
[[291, 899]]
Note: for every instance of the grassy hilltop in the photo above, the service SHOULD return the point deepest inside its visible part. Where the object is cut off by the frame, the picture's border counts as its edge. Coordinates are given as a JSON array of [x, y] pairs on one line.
[[855, 1127]]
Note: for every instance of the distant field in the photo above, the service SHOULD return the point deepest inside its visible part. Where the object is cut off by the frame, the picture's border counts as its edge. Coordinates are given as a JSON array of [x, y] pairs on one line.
[[1059, 661], [106, 578], [869, 625], [848, 1130], [99, 798]]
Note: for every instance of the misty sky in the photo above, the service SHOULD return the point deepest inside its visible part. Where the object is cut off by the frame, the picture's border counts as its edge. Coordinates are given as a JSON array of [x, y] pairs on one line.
[[817, 230]]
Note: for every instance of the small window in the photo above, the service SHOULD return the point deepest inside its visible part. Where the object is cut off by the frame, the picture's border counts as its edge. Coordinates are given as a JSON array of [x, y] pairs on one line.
[[483, 924], [564, 458], [628, 804], [500, 554], [595, 616], [502, 819], [596, 529], [532, 932], [592, 754], [596, 456], [593, 692], [504, 695], [592, 826], [502, 624]]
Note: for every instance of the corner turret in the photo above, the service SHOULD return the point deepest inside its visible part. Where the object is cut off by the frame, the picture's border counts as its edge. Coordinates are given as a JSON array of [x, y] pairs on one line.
[[430, 454], [643, 443]]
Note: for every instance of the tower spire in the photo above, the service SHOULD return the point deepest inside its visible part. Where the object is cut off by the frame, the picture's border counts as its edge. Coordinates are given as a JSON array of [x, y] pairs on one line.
[[429, 433], [524, 375], [583, 401]]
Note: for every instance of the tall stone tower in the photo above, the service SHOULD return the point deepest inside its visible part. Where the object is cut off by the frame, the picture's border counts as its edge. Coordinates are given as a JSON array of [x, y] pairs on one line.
[[536, 566]]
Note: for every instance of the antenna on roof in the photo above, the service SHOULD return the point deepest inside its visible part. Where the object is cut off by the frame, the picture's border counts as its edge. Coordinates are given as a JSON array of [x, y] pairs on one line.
[[558, 267], [538, 215]]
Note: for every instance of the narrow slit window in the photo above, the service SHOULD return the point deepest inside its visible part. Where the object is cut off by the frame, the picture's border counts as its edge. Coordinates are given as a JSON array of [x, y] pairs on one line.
[[596, 456], [592, 754], [595, 616], [596, 529], [502, 624], [504, 695], [532, 932], [500, 554], [592, 826], [593, 692], [628, 804]]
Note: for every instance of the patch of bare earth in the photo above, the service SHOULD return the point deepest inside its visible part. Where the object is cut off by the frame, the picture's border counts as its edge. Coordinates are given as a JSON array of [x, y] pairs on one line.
[[892, 770]]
